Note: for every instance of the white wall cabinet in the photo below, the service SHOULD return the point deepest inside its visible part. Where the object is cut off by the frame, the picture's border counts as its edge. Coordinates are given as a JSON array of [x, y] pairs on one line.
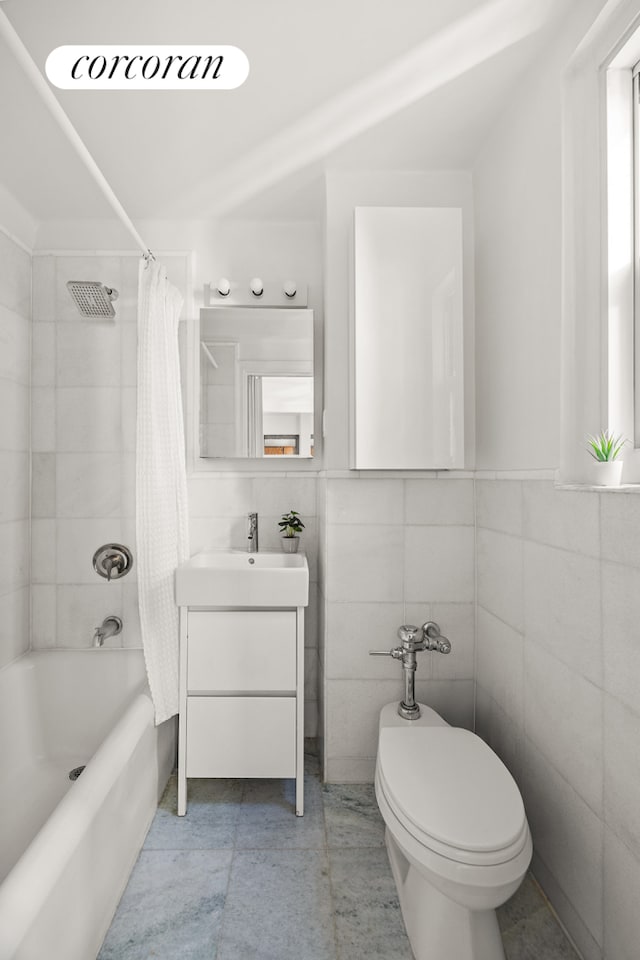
[[241, 696], [407, 348]]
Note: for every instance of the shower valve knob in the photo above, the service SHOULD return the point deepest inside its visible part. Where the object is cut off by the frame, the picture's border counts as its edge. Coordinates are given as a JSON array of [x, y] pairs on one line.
[[112, 561]]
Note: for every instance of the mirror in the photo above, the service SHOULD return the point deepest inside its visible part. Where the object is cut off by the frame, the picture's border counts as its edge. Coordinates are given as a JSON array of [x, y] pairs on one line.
[[407, 339], [256, 382]]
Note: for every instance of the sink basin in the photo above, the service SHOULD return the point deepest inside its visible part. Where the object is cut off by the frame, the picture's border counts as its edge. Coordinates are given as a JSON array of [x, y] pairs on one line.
[[236, 579]]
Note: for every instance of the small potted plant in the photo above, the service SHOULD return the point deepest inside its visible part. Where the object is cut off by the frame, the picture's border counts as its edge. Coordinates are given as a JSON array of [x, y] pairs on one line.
[[290, 526], [605, 448]]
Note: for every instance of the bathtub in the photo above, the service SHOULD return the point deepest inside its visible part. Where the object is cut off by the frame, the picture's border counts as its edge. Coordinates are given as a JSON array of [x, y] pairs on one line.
[[67, 847]]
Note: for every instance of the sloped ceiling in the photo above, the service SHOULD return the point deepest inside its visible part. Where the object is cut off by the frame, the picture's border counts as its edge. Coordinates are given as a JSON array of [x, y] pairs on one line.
[[407, 84]]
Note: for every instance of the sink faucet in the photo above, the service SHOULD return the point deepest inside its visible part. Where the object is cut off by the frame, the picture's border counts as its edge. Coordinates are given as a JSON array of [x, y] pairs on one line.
[[252, 532], [109, 627]]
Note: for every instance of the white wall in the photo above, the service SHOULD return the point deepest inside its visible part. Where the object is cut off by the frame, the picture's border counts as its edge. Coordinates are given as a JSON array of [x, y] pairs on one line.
[[557, 667], [15, 338]]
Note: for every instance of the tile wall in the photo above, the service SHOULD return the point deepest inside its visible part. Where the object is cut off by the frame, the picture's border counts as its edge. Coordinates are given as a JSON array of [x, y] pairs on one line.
[[15, 338], [394, 551], [558, 681], [83, 448]]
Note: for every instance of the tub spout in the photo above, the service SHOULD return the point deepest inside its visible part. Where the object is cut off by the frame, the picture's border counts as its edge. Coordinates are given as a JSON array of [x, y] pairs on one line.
[[109, 627]]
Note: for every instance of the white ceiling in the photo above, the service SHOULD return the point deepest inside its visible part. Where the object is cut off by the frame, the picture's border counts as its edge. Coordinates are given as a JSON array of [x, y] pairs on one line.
[[345, 84]]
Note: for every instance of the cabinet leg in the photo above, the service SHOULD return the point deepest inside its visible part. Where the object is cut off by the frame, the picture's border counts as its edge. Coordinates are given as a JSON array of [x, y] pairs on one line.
[[182, 794], [300, 795]]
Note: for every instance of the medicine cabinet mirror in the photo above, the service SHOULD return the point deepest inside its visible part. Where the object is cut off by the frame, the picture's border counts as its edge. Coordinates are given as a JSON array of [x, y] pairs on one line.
[[256, 382], [407, 399]]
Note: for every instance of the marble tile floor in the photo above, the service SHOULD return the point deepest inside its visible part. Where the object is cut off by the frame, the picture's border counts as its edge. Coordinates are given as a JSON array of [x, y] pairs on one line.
[[242, 878]]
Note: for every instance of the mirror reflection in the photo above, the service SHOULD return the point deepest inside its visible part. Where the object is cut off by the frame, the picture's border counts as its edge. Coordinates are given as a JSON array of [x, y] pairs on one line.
[[256, 382]]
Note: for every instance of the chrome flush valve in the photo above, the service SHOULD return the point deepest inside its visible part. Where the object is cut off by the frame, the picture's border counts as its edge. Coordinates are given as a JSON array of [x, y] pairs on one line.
[[433, 639], [430, 639]]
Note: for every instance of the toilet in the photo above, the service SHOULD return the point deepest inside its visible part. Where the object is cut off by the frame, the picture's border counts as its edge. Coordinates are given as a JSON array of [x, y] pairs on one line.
[[456, 834]]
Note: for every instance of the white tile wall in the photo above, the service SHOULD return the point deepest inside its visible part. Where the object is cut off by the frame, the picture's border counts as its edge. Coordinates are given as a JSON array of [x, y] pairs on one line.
[[500, 585], [500, 662], [499, 505], [439, 563], [572, 739], [568, 837], [83, 448], [397, 551], [562, 606], [621, 632], [15, 341], [364, 563]]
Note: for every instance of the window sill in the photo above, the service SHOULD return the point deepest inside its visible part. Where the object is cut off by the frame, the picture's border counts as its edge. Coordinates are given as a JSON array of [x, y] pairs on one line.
[[582, 487]]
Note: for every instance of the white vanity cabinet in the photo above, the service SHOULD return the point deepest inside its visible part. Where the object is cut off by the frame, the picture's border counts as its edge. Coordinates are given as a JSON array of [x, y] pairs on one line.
[[241, 695]]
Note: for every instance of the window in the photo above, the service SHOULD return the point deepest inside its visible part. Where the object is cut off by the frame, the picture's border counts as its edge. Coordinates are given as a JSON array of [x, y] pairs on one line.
[[601, 205], [636, 249]]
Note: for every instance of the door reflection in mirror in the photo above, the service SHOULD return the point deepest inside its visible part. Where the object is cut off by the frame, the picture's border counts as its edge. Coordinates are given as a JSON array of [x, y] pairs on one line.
[[256, 382]]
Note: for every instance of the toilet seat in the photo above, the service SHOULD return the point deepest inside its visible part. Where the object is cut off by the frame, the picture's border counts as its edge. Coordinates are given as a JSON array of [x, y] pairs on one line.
[[452, 794]]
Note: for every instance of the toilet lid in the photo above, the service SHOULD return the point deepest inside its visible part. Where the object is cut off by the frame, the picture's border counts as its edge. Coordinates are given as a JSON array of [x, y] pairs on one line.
[[450, 786]]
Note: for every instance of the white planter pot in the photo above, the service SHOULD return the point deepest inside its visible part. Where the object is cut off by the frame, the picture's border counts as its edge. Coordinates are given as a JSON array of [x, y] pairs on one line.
[[290, 544], [606, 473]]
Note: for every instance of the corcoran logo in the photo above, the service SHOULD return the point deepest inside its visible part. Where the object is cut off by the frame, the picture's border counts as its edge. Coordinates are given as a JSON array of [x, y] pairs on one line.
[[129, 67]]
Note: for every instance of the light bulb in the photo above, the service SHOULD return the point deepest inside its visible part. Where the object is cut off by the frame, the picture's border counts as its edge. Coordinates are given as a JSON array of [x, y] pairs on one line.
[[290, 289], [257, 287], [223, 287]]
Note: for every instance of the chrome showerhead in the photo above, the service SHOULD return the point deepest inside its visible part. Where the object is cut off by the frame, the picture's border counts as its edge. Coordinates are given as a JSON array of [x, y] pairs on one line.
[[91, 298]]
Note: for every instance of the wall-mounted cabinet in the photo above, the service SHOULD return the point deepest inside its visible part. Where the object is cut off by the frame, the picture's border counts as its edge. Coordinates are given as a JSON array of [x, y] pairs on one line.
[[407, 396]]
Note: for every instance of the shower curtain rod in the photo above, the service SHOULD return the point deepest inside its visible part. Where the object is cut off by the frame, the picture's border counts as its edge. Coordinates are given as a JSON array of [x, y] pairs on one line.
[[51, 102]]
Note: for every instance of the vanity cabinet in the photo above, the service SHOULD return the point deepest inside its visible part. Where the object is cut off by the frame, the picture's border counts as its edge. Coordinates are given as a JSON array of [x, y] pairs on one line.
[[241, 695]]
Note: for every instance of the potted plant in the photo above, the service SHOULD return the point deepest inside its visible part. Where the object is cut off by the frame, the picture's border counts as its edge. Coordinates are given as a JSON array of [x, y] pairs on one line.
[[290, 526], [605, 448]]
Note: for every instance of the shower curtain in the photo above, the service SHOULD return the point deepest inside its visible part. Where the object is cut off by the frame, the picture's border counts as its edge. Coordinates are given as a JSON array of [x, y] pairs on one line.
[[161, 485]]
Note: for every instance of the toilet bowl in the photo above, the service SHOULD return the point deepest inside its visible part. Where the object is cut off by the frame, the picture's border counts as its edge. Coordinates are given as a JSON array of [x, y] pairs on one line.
[[456, 834]]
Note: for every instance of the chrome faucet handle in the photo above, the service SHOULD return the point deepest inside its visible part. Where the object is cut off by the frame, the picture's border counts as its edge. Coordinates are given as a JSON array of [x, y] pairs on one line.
[[397, 653], [433, 639], [112, 561]]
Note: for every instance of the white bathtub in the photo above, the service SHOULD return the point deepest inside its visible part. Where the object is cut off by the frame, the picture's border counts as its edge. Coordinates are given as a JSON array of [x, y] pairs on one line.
[[67, 848]]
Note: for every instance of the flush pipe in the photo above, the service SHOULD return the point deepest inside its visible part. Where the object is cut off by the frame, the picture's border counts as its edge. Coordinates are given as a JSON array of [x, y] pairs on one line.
[[46, 94]]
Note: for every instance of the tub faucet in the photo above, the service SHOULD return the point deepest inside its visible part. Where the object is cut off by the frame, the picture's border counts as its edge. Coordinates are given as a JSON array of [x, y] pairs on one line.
[[252, 532], [109, 627]]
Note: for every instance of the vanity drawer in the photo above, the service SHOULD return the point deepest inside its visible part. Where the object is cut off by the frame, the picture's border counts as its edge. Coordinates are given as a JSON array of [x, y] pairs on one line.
[[241, 737], [241, 650]]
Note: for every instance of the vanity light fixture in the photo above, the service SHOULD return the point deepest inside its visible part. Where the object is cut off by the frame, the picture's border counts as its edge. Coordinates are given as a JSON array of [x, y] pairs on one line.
[[290, 289], [257, 287], [223, 287]]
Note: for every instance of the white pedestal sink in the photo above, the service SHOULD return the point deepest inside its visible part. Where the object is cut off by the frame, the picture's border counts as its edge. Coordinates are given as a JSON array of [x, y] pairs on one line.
[[237, 579]]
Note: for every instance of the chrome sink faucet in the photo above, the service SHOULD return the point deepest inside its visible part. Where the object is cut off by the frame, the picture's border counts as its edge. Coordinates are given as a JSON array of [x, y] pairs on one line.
[[252, 532]]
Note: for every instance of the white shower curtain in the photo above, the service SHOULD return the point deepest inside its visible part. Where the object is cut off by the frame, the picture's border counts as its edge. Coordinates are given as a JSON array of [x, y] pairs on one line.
[[161, 487]]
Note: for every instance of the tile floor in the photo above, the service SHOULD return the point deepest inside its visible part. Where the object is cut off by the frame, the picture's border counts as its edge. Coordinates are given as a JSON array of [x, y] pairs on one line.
[[242, 878]]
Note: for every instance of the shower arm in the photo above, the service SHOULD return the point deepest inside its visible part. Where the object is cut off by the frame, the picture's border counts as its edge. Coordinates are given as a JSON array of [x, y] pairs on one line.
[[29, 66]]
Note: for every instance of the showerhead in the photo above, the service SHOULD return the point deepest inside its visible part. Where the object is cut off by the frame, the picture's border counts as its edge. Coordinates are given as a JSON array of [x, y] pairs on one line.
[[91, 298]]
